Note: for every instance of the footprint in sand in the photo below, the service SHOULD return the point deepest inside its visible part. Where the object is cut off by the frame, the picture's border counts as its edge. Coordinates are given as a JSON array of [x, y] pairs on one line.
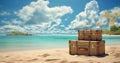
[[45, 55], [34, 59], [52, 59], [7, 56]]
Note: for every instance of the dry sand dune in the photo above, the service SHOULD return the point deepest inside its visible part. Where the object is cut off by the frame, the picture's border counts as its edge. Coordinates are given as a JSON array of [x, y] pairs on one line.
[[59, 56]]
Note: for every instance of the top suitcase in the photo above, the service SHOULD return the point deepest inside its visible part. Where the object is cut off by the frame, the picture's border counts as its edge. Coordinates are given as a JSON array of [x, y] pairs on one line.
[[90, 35]]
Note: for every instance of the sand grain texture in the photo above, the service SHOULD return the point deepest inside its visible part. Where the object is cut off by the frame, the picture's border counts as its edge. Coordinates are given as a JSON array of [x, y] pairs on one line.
[[59, 56]]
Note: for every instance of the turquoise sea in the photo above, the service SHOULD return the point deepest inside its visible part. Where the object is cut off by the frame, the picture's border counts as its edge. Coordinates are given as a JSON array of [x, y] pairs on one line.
[[10, 43]]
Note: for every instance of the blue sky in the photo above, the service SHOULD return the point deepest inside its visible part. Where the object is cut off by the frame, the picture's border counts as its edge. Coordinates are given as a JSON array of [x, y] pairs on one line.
[[56, 16]]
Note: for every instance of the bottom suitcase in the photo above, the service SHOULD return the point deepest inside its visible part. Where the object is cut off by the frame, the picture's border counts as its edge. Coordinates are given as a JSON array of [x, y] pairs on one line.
[[90, 47], [84, 47]]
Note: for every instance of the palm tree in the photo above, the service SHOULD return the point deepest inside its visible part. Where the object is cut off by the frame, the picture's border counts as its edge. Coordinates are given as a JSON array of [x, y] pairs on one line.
[[111, 17]]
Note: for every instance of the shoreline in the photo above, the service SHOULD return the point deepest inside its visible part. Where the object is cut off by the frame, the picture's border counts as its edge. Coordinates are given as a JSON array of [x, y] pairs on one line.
[[59, 35], [73, 35], [35, 49], [59, 55]]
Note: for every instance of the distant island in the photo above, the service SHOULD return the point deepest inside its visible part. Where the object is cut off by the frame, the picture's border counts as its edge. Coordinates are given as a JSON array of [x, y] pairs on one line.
[[16, 33], [114, 30]]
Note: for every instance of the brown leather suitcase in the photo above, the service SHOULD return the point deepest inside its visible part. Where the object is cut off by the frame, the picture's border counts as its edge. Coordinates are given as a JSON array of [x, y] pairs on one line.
[[85, 47], [72, 47], [90, 35]]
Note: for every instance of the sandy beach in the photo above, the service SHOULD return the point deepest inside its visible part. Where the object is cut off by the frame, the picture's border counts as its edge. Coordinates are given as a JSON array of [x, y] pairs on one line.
[[60, 55]]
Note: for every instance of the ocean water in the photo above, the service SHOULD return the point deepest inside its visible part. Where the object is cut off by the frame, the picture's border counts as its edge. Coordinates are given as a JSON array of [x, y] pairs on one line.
[[8, 43]]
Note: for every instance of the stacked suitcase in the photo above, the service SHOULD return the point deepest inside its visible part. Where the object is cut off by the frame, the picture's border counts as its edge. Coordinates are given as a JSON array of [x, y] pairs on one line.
[[89, 43]]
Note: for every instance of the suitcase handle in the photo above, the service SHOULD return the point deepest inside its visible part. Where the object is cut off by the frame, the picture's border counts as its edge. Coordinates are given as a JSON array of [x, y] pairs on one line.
[[83, 49]]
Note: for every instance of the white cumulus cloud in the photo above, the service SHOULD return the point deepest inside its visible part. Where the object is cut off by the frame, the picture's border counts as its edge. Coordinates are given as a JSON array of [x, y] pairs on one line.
[[91, 16], [86, 18], [39, 12], [37, 17]]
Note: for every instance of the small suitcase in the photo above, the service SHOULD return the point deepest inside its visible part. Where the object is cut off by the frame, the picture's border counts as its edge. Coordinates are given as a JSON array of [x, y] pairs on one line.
[[90, 35]]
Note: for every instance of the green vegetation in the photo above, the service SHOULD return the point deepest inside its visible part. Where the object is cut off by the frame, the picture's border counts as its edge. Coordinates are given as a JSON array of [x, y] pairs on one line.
[[114, 30], [111, 18], [18, 33]]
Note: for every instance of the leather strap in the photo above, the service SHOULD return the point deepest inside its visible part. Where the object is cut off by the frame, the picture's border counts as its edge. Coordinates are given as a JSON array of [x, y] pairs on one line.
[[89, 48], [78, 35], [83, 34], [76, 47], [90, 35], [97, 48], [96, 34]]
